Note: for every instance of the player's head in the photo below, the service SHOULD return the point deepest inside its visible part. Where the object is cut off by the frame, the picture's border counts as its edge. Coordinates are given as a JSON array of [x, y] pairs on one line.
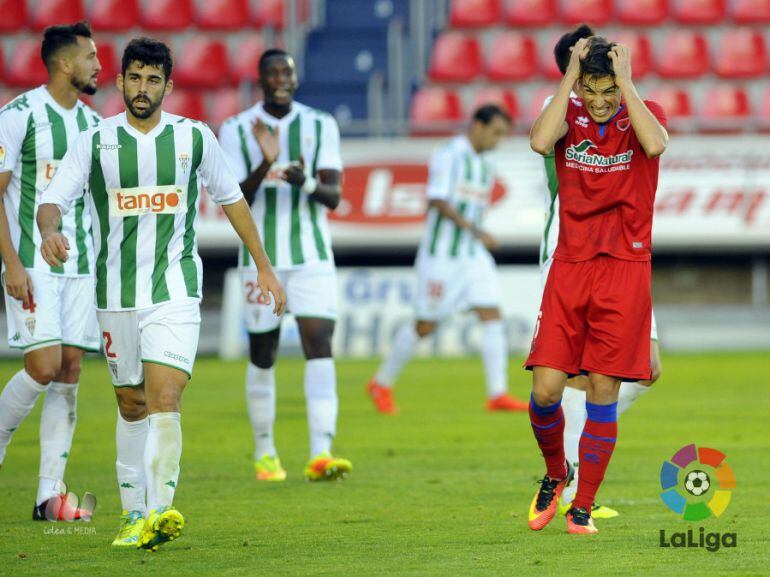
[[563, 49], [278, 77], [597, 86], [69, 50], [490, 124], [144, 79]]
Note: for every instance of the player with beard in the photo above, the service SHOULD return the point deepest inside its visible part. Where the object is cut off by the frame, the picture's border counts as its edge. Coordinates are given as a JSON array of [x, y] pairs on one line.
[[51, 317], [287, 159], [145, 169]]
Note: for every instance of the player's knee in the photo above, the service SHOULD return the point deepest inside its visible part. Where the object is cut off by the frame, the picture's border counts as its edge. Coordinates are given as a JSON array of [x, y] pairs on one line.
[[263, 349], [70, 370], [424, 328], [318, 350], [42, 372], [545, 397], [131, 404], [656, 372]]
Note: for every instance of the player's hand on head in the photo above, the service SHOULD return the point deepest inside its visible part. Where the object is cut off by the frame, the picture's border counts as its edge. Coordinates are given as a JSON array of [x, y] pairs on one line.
[[620, 55], [54, 249], [268, 141], [269, 286], [18, 283], [295, 173], [577, 53]]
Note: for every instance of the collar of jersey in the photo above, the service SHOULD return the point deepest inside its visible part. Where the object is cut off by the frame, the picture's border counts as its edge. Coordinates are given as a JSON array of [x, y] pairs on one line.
[[261, 112], [138, 133], [603, 125], [51, 101]]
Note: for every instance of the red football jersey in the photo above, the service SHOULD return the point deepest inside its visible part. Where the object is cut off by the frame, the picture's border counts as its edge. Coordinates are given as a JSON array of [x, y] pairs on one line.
[[606, 187]]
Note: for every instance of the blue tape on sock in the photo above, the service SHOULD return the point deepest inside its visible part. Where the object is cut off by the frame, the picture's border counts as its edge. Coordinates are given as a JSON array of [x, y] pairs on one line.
[[602, 413], [547, 410]]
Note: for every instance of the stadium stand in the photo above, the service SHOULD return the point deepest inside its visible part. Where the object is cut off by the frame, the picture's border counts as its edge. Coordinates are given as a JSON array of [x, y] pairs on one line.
[[530, 12], [504, 98], [699, 11], [222, 14], [512, 57], [434, 110], [597, 12], [14, 15], [44, 13], [204, 64], [474, 13], [642, 12], [167, 15], [114, 15], [456, 58], [684, 55]]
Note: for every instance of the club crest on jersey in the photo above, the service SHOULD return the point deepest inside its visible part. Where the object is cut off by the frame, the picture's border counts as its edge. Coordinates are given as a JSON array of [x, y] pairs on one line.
[[140, 200], [184, 161], [623, 124], [30, 324], [579, 153], [582, 121]]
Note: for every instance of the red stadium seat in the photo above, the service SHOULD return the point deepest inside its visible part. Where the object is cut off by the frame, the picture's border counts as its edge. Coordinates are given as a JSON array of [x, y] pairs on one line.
[[742, 54], [547, 62], [44, 13], [223, 14], [224, 104], [108, 58], [456, 58], [204, 64], [167, 15], [699, 11], [725, 108], [684, 54], [676, 103], [595, 12], [435, 110], [537, 99], [751, 11], [764, 111], [512, 57], [530, 12], [112, 104], [271, 13], [114, 15], [26, 68], [14, 15], [185, 103], [641, 54], [245, 62], [474, 13], [642, 12], [506, 99]]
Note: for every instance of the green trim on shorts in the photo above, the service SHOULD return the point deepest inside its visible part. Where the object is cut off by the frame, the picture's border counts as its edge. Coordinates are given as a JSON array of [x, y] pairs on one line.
[[278, 326], [188, 373], [316, 317], [81, 347], [114, 386], [25, 347]]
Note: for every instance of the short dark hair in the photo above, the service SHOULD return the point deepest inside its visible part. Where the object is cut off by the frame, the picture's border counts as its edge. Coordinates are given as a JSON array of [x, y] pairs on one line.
[[597, 63], [267, 55], [148, 52], [562, 53], [486, 113], [57, 37]]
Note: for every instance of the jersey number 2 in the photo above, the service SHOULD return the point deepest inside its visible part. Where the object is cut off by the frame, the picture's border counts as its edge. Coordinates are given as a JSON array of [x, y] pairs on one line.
[[107, 344]]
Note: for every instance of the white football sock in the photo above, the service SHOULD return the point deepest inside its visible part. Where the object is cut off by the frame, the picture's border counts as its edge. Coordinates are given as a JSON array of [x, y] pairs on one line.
[[494, 355], [130, 440], [321, 399], [573, 403], [16, 401], [260, 401], [401, 351], [161, 458], [57, 425], [629, 393]]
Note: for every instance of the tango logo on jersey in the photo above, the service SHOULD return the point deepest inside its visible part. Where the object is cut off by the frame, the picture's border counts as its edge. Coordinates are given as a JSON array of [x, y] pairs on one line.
[[147, 200], [697, 483], [46, 169], [580, 154]]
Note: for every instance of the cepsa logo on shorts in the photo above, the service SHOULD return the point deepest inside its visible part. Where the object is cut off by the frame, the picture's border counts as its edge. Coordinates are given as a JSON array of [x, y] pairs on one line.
[[389, 194], [141, 200]]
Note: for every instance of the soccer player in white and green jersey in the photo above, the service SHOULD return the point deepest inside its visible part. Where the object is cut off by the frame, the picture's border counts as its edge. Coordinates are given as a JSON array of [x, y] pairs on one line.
[[574, 397], [50, 311], [144, 170], [287, 159], [455, 269]]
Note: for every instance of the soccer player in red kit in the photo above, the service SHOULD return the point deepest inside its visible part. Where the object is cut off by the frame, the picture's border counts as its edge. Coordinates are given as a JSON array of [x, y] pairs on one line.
[[596, 309]]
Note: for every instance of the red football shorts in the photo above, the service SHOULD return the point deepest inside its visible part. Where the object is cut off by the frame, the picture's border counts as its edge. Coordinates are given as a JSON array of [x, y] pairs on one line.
[[595, 318]]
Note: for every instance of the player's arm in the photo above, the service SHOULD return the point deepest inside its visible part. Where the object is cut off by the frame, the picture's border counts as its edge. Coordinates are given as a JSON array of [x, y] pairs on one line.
[[550, 126], [67, 185], [223, 188], [446, 211], [651, 134], [18, 283]]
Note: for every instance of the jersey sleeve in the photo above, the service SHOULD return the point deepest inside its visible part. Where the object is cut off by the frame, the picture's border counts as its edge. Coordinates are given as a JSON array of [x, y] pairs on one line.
[[13, 128], [215, 172], [329, 157], [71, 178], [657, 112], [440, 174], [234, 149]]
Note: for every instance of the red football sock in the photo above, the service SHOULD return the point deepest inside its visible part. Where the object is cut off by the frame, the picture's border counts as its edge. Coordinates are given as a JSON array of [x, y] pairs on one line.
[[596, 446], [548, 426]]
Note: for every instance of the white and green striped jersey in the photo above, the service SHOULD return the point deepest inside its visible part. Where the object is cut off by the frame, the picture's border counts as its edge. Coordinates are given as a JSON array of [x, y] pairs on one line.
[[145, 190], [35, 133], [464, 178], [292, 225]]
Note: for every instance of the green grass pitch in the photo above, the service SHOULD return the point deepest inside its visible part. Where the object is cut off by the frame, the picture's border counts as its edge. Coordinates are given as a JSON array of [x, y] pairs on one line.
[[441, 489]]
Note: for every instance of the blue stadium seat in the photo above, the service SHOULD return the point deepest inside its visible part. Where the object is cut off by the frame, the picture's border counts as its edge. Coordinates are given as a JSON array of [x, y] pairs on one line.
[[343, 103], [348, 59], [364, 14]]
